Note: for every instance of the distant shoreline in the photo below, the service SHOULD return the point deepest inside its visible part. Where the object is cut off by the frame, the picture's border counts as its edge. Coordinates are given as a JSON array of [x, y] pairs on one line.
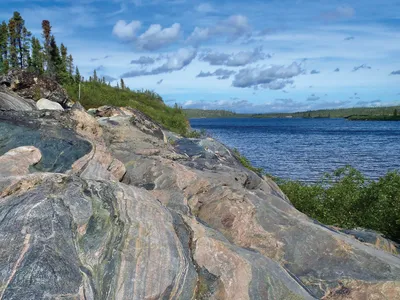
[[389, 113]]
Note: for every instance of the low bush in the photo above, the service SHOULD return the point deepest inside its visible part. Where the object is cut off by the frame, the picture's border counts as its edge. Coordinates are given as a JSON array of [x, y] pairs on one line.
[[346, 198]]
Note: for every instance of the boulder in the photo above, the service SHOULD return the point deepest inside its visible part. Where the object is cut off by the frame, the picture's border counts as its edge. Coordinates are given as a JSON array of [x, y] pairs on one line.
[[43, 104]]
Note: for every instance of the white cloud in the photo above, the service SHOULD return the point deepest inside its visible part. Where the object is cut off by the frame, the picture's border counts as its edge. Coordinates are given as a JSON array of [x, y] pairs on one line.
[[126, 31], [272, 77], [233, 27], [241, 58], [174, 62], [154, 38]]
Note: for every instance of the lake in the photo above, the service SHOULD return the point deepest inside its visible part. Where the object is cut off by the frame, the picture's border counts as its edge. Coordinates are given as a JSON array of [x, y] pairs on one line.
[[304, 149]]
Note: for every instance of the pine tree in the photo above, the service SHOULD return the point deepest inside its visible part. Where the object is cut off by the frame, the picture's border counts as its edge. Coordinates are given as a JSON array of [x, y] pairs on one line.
[[64, 55], [77, 76], [3, 47], [70, 65], [19, 41], [95, 78], [56, 64], [122, 84], [37, 56], [46, 27], [12, 36]]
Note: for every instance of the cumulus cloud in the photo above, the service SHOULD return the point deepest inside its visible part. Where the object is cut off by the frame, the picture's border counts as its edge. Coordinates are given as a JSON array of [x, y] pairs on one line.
[[220, 73], [272, 77], [241, 58], [363, 66], [313, 72], [174, 62], [313, 98], [126, 31], [157, 37], [143, 61], [233, 27], [154, 38], [205, 8], [337, 70], [395, 72]]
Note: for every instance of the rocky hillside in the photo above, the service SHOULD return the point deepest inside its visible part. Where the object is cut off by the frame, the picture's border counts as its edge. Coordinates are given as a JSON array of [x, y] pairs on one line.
[[105, 204]]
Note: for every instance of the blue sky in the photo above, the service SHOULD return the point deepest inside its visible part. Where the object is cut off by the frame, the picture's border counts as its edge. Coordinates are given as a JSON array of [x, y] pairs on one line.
[[244, 56]]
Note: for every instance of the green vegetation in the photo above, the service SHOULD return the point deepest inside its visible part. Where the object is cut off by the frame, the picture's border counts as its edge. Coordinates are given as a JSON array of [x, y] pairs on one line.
[[199, 113], [246, 162], [394, 117], [98, 93], [346, 198], [355, 113]]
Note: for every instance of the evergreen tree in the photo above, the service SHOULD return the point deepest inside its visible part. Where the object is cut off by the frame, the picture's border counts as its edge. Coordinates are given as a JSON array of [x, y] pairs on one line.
[[95, 79], [70, 65], [77, 76], [12, 36], [122, 84], [395, 112], [46, 27], [55, 60], [19, 41], [64, 55], [3, 47], [37, 56]]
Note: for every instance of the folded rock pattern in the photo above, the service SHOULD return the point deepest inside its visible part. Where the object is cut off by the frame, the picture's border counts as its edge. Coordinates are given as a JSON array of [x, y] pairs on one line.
[[135, 217]]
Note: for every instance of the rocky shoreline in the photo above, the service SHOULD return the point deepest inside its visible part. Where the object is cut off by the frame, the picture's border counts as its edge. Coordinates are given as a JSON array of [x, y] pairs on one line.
[[106, 204]]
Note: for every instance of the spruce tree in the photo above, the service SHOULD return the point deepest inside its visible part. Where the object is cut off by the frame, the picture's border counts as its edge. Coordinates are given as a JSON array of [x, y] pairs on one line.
[[122, 84], [19, 41], [46, 27], [3, 47], [37, 56], [56, 64], [95, 78], [70, 65], [77, 76], [12, 37]]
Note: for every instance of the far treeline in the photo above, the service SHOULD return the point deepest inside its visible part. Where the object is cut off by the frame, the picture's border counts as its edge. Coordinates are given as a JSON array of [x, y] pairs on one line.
[[388, 113], [20, 50]]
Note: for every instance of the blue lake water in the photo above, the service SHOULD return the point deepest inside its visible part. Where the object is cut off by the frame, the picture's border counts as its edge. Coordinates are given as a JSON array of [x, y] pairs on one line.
[[304, 149]]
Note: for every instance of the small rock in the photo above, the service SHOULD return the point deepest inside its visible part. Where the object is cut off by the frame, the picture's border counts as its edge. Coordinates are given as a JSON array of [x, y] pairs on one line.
[[47, 104]]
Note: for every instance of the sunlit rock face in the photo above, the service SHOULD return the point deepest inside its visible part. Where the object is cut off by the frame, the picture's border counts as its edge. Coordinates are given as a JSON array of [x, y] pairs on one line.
[[112, 206]]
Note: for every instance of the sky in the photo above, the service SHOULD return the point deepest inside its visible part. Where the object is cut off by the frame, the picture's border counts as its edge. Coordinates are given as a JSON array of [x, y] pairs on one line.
[[243, 56]]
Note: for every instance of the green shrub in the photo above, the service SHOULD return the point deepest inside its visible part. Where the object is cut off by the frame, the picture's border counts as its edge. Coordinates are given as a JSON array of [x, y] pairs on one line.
[[346, 198], [245, 162]]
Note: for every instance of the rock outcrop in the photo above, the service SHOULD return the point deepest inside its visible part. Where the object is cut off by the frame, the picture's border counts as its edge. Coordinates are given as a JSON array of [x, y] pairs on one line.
[[106, 207], [28, 85]]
